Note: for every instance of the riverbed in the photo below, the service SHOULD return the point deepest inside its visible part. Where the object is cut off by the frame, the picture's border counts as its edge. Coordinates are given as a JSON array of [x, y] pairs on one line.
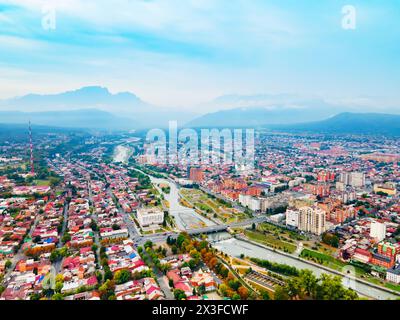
[[185, 218], [235, 247]]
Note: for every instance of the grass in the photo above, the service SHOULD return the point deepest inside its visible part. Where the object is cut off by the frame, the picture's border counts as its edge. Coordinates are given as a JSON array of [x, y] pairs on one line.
[[204, 202], [392, 286], [270, 241], [323, 259], [42, 183], [292, 235]]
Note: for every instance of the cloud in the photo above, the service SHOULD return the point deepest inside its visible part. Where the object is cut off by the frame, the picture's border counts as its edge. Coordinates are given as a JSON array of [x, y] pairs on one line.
[[185, 52]]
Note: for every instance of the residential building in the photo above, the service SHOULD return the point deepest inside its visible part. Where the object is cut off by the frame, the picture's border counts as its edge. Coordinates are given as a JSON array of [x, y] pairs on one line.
[[292, 218], [312, 219], [378, 231], [150, 216]]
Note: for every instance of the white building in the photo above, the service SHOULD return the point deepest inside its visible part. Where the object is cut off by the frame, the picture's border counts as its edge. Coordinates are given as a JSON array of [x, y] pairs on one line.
[[292, 218], [296, 182], [393, 274], [147, 217], [115, 234], [378, 231], [354, 179], [278, 218], [250, 202], [312, 219]]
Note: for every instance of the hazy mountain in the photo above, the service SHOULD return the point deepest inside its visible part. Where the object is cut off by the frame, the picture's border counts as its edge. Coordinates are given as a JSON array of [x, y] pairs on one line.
[[259, 116], [351, 123], [265, 109], [88, 97], [123, 109], [87, 118]]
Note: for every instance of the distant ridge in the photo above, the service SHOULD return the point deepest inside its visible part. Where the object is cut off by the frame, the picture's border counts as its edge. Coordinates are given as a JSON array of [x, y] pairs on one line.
[[260, 116], [86, 118], [124, 109], [351, 123], [87, 97]]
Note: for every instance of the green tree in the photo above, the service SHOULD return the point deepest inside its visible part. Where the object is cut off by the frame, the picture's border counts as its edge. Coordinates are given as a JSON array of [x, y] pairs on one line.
[[57, 296], [8, 264], [122, 276], [309, 282], [265, 295], [281, 293], [179, 294]]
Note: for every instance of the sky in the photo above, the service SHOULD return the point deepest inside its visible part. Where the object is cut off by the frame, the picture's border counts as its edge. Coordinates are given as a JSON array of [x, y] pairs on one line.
[[185, 53]]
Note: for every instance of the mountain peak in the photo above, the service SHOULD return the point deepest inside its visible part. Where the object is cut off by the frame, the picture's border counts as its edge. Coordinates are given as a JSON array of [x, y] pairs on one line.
[[93, 89]]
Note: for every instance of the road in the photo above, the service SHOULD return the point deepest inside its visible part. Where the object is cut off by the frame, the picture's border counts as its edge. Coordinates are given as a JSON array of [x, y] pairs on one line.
[[19, 255]]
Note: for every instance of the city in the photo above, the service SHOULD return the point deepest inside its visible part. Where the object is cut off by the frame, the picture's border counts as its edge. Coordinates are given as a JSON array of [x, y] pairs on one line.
[[105, 221], [197, 158]]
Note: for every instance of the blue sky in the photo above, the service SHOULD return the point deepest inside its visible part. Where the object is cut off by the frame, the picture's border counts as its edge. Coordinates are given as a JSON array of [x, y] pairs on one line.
[[185, 53]]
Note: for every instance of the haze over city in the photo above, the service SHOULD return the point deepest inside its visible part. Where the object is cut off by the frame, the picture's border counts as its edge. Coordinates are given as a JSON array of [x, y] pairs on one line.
[[200, 157], [187, 53]]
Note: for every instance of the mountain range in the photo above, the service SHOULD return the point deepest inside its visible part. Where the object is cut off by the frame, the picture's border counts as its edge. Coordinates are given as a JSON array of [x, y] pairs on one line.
[[97, 108], [94, 107], [349, 123]]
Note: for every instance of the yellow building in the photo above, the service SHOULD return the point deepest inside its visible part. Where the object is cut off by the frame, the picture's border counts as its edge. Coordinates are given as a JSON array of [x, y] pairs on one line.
[[388, 188]]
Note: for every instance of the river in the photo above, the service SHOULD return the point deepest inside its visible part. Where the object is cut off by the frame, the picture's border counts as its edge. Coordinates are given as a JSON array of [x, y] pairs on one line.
[[187, 218], [235, 247]]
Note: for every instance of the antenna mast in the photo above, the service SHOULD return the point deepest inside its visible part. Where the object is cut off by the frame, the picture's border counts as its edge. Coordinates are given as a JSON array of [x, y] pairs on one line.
[[31, 149]]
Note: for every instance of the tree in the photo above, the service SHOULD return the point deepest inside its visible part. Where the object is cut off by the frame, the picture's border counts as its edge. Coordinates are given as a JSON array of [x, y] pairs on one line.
[[8, 264], [59, 286], [180, 240], [57, 296], [330, 239], [234, 284], [108, 275], [116, 227], [309, 282], [122, 276], [201, 289], [94, 226], [148, 244], [223, 288], [179, 294], [331, 288], [66, 237], [243, 292], [265, 295], [236, 297], [280, 293]]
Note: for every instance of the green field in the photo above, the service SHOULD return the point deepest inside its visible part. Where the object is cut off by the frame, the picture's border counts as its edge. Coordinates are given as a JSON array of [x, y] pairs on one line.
[[212, 207], [270, 241], [323, 259], [42, 182]]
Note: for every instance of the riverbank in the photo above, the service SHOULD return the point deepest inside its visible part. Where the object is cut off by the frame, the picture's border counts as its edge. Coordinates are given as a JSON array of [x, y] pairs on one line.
[[357, 280]]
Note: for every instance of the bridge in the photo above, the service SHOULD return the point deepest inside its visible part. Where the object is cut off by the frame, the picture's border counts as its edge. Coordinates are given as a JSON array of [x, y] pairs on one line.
[[208, 230], [223, 227]]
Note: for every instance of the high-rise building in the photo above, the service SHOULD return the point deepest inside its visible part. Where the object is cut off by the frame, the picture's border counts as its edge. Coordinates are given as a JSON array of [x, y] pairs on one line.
[[378, 231], [325, 176], [354, 179], [312, 219], [292, 218], [357, 179]]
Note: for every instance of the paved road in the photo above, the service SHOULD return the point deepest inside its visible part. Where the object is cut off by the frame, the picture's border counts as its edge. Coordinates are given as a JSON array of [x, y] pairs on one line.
[[19, 255]]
